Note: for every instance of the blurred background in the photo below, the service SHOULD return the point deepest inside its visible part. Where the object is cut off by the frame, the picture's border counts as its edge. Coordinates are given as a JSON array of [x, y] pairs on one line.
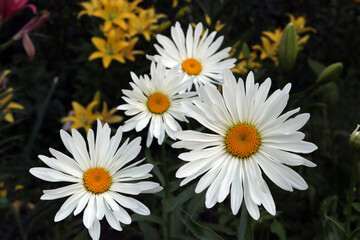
[[51, 77]]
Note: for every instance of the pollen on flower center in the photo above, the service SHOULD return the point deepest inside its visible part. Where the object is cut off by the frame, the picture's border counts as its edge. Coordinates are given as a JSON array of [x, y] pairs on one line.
[[191, 66], [158, 103], [97, 180], [242, 140]]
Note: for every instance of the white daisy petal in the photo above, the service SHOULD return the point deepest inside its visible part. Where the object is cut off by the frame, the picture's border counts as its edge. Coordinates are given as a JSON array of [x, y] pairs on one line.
[[66, 163], [141, 208], [82, 203], [156, 100], [100, 206], [95, 229], [197, 54], [125, 188], [89, 213], [236, 190], [96, 169], [212, 194], [250, 136], [224, 188], [123, 200], [122, 216], [61, 192], [68, 206], [51, 175], [110, 218]]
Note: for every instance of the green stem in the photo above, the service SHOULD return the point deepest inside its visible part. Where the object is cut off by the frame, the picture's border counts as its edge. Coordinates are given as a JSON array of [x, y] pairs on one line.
[[6, 45], [39, 120], [18, 222], [166, 214], [246, 225], [353, 234], [243, 223], [351, 193]]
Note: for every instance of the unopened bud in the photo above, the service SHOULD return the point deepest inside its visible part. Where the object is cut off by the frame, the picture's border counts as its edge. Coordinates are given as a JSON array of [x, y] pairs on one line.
[[330, 73], [182, 12], [288, 48], [355, 137], [163, 26]]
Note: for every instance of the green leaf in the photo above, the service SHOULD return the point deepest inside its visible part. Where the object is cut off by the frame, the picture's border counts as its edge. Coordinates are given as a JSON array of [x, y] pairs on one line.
[[173, 202], [148, 231], [149, 218], [245, 50], [156, 169], [331, 230], [278, 229], [356, 206], [4, 176], [196, 205], [40, 118], [3, 201], [176, 226], [335, 222], [355, 232], [198, 230], [83, 235], [316, 66]]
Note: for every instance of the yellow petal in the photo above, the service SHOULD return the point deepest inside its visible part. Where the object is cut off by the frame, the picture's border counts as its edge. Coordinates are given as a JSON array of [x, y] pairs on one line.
[[69, 118], [119, 58], [83, 12], [9, 117], [18, 187], [105, 107], [99, 43], [106, 61], [147, 35], [95, 55], [3, 75], [3, 193], [78, 108], [107, 26], [207, 19], [89, 108], [14, 105], [307, 29]]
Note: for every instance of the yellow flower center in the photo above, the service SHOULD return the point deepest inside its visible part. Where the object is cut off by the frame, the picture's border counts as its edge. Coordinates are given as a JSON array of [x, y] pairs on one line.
[[242, 140], [109, 50], [111, 14], [191, 66], [158, 103], [97, 180]]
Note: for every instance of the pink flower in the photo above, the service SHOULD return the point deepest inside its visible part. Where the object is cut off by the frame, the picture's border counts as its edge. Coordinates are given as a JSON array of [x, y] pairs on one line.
[[25, 30], [9, 8]]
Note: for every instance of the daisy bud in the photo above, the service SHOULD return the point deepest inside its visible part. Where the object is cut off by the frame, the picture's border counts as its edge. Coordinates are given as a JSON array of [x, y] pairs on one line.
[[288, 48], [355, 137], [330, 73]]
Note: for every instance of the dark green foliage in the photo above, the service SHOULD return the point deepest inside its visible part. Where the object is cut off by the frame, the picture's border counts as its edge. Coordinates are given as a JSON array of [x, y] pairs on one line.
[[63, 46]]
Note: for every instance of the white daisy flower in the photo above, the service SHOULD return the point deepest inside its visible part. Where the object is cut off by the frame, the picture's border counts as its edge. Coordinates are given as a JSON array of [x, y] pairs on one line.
[[156, 100], [196, 54], [100, 180], [250, 135]]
